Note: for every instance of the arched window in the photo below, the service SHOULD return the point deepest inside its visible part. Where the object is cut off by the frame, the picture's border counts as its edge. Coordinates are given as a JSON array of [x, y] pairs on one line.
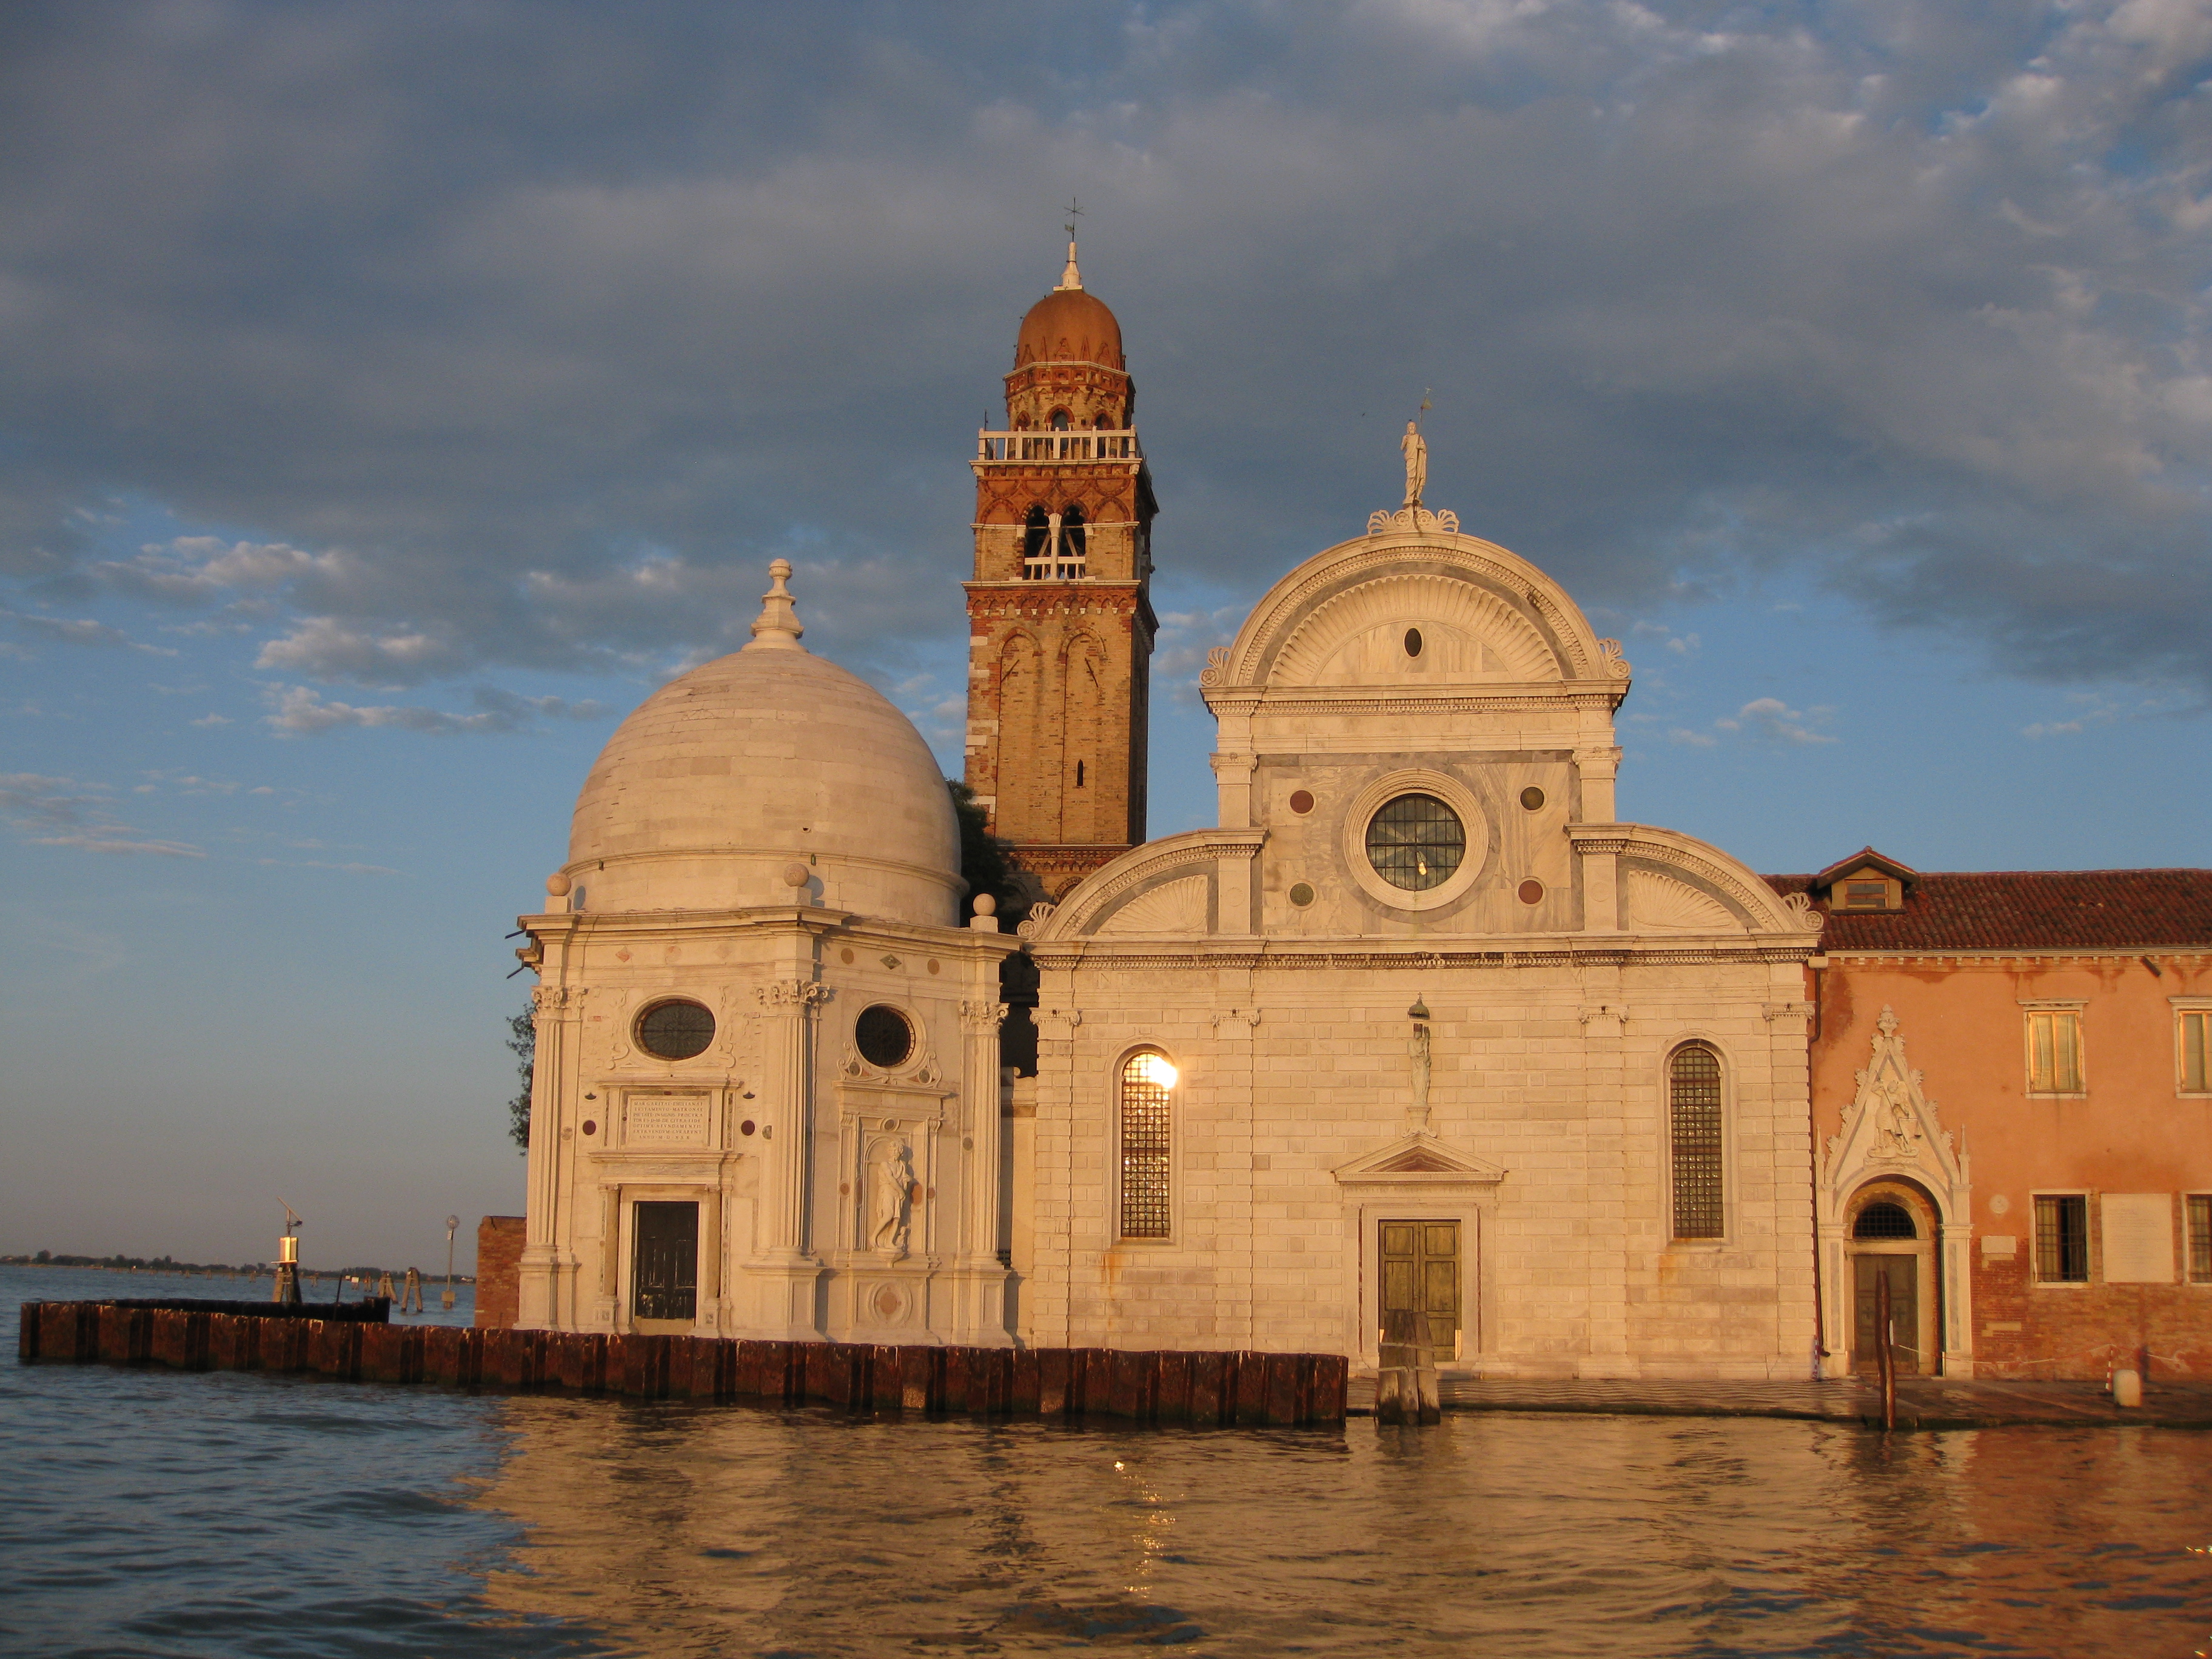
[[1037, 532], [1071, 532], [1693, 1100], [1148, 1081], [1060, 420]]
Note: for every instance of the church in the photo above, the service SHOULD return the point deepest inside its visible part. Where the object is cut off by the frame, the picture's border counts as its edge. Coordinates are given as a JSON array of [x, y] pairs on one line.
[[1420, 1024]]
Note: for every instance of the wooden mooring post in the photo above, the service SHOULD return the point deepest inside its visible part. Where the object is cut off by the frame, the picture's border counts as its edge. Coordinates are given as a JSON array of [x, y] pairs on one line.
[[1885, 1348], [1407, 1387]]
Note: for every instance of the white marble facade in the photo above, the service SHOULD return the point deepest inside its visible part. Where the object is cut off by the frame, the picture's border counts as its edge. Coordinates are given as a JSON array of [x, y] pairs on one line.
[[1488, 1051], [1561, 968], [767, 839]]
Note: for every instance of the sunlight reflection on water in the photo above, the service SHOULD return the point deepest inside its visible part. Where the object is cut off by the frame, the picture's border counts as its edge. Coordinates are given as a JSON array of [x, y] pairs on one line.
[[223, 1516]]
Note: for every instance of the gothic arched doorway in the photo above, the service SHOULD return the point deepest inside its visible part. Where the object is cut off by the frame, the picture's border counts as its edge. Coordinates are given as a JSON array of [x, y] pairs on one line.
[[1893, 1229]]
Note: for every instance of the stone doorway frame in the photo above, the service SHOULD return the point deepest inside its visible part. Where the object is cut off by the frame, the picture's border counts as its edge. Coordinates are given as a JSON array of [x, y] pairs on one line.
[[1892, 1134], [1928, 1289]]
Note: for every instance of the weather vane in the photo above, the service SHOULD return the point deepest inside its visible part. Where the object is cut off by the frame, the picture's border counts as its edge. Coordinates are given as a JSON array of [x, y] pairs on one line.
[[1074, 214]]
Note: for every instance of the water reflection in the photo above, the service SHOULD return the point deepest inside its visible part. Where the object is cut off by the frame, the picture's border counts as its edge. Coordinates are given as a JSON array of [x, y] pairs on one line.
[[677, 1530]]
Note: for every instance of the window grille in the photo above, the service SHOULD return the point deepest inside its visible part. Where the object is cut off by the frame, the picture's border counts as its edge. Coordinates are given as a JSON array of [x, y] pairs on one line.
[[2054, 1052], [1146, 1079], [1884, 1220], [1694, 1099], [2062, 1238], [2200, 1238], [2196, 1038]]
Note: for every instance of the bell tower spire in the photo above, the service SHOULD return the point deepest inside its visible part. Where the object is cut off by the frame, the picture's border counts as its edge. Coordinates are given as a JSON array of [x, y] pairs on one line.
[[1061, 622]]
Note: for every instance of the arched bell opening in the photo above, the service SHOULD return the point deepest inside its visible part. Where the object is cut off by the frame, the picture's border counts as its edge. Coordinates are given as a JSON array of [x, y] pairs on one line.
[[1891, 1228]]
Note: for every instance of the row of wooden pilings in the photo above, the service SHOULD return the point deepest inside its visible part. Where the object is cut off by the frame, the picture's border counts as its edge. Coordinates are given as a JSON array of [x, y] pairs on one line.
[[1211, 1389]]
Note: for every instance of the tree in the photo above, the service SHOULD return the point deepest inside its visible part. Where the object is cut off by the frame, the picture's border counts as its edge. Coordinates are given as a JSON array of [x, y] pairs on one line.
[[522, 1038], [988, 864]]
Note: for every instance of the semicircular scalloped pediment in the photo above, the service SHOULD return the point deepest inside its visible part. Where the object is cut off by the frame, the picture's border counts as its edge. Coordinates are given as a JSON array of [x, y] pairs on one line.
[[1173, 907], [1357, 637], [1664, 905]]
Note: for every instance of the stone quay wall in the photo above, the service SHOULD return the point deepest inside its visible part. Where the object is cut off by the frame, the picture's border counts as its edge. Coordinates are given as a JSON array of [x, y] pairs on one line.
[[1208, 1389]]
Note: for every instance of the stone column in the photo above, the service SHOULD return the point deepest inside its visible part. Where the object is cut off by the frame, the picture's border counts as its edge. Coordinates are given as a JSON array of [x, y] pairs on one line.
[[785, 1265], [547, 1271], [979, 1097], [979, 1278], [1051, 1309], [1596, 766]]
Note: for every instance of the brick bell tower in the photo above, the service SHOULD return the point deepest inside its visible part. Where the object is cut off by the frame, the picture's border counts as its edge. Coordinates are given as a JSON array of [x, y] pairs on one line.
[[1060, 613]]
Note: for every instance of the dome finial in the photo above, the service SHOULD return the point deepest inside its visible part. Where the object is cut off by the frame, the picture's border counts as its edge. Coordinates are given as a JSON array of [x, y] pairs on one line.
[[1070, 278], [777, 627]]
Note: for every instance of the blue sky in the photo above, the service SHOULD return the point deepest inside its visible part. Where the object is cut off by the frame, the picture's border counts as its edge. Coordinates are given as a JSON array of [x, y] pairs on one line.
[[395, 396]]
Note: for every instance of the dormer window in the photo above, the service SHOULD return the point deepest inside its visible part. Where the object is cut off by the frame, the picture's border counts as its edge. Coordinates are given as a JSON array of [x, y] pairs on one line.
[[1867, 880]]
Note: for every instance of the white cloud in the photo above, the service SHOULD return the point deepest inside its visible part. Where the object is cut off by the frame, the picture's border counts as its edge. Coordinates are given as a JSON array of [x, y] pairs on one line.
[[1771, 719], [301, 711], [80, 631], [1691, 740]]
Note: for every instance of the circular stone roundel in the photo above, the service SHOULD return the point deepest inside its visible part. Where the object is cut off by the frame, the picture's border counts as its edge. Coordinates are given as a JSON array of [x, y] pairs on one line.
[[675, 1030], [1415, 839]]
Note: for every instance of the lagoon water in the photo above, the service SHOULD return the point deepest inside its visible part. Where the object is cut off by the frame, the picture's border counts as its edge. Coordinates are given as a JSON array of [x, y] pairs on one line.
[[150, 1512]]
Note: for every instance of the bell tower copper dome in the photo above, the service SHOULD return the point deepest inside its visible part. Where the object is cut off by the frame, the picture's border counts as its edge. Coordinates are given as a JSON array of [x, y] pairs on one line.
[[1060, 611]]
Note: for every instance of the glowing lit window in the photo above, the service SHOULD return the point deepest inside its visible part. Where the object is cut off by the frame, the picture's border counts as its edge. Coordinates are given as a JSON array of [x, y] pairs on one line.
[[1148, 1082]]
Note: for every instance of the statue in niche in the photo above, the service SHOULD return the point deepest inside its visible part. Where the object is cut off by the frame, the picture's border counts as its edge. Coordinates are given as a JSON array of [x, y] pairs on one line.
[[1417, 1116], [891, 1193], [1895, 1132], [1416, 451]]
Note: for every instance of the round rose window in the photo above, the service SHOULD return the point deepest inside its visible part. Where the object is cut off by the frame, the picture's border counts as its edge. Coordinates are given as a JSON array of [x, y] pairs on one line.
[[1416, 842]]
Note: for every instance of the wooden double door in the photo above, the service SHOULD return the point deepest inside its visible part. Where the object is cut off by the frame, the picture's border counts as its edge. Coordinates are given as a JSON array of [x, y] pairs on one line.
[[1421, 1270], [666, 1253], [1903, 1271]]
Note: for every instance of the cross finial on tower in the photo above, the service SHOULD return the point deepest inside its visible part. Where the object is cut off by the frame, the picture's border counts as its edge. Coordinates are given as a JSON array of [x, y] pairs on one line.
[[777, 627], [1070, 278]]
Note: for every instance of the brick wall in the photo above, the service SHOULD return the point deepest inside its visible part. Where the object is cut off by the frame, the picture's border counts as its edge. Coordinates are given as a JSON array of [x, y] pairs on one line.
[[499, 1271]]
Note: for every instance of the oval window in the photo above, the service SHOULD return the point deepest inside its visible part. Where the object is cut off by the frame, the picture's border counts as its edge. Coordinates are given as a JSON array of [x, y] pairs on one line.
[[1412, 641], [1416, 842], [883, 1035], [675, 1030]]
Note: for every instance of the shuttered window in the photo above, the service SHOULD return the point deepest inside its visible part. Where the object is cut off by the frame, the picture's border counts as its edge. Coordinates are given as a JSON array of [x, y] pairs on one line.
[[1147, 1109], [1693, 1089], [2054, 1052], [2062, 1238], [2194, 1035], [2200, 1238]]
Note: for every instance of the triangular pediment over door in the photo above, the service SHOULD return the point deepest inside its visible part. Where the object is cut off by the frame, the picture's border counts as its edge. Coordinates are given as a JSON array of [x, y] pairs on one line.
[[1420, 1160]]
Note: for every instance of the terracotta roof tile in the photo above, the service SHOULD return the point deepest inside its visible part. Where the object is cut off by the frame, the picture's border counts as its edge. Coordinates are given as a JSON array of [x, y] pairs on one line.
[[2027, 910]]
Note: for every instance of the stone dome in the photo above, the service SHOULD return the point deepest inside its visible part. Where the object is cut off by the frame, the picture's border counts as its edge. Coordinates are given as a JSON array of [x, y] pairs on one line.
[[752, 767], [1069, 326]]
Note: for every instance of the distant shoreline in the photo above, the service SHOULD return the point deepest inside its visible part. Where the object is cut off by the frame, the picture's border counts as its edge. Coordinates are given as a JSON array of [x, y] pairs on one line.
[[220, 1270]]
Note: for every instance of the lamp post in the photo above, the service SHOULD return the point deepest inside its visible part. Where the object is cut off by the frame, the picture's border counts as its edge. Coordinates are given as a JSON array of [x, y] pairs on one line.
[[453, 1226], [287, 1288]]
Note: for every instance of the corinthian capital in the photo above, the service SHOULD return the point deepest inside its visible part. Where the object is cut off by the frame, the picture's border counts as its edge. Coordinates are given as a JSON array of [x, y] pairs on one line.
[[800, 993], [982, 1016]]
